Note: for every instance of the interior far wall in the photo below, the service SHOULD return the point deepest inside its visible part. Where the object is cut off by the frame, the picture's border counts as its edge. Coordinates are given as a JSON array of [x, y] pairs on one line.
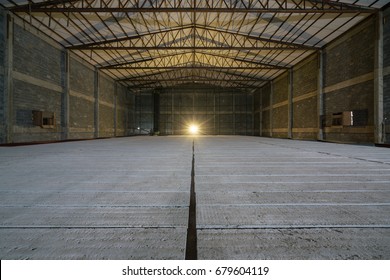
[[347, 85], [217, 111], [83, 102]]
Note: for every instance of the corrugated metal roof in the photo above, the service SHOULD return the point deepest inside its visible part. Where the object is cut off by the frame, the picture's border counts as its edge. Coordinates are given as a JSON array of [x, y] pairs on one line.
[[235, 43]]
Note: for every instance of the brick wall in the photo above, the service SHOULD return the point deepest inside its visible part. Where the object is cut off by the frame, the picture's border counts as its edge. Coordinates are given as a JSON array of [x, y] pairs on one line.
[[348, 76], [217, 110], [39, 83], [305, 80], [36, 85], [144, 113], [279, 103], [348, 82], [386, 72], [106, 107], [266, 110], [122, 106], [3, 100], [257, 112], [81, 100]]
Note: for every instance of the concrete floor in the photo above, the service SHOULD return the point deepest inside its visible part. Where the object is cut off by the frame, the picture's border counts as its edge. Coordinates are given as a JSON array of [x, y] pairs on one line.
[[256, 198]]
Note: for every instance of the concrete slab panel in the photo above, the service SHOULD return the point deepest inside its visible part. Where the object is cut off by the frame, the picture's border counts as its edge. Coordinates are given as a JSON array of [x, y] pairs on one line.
[[314, 169], [93, 243], [256, 198], [310, 186], [62, 216], [292, 216], [294, 198], [93, 199], [292, 244], [124, 198], [263, 198], [297, 178]]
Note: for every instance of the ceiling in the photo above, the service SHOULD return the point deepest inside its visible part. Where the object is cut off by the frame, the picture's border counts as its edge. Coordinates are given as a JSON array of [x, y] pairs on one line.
[[148, 44]]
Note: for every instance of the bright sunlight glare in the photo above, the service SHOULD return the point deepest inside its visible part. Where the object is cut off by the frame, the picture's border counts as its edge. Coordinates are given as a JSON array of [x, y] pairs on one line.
[[193, 129]]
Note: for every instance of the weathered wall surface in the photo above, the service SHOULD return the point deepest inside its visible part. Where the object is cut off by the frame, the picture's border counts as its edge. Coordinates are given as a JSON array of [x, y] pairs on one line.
[[106, 107], [348, 87], [3, 80], [36, 85], [305, 79], [85, 103], [217, 110], [81, 100], [257, 112], [386, 73], [279, 117], [266, 110], [348, 82], [144, 113]]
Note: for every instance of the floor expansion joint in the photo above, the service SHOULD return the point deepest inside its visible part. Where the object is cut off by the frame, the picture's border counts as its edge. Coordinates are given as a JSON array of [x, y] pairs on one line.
[[191, 245]]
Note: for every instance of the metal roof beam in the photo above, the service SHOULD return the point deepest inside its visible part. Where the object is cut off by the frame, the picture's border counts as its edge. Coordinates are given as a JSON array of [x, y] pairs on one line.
[[198, 67], [119, 48], [189, 77], [299, 10], [241, 40], [112, 41], [292, 46], [232, 82], [174, 72]]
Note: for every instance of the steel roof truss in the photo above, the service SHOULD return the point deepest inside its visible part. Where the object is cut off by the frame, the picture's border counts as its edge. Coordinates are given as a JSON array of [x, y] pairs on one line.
[[205, 6]]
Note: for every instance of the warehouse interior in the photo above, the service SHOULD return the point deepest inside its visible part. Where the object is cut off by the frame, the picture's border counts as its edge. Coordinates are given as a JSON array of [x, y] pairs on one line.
[[251, 75]]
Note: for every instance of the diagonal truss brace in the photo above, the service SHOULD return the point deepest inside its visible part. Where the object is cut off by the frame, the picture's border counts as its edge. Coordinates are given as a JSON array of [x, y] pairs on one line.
[[183, 38], [186, 6], [201, 60]]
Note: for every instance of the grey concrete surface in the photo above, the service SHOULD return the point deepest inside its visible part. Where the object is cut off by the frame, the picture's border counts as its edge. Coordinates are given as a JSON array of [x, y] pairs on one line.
[[124, 198], [262, 198], [256, 198]]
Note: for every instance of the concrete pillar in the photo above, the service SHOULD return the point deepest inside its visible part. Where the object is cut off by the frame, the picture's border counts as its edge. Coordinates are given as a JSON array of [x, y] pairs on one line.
[[173, 113], [8, 98], [156, 111], [115, 109], [96, 94], [261, 113], [271, 105], [320, 96], [290, 104], [65, 95], [378, 81], [252, 96], [234, 114], [214, 113]]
